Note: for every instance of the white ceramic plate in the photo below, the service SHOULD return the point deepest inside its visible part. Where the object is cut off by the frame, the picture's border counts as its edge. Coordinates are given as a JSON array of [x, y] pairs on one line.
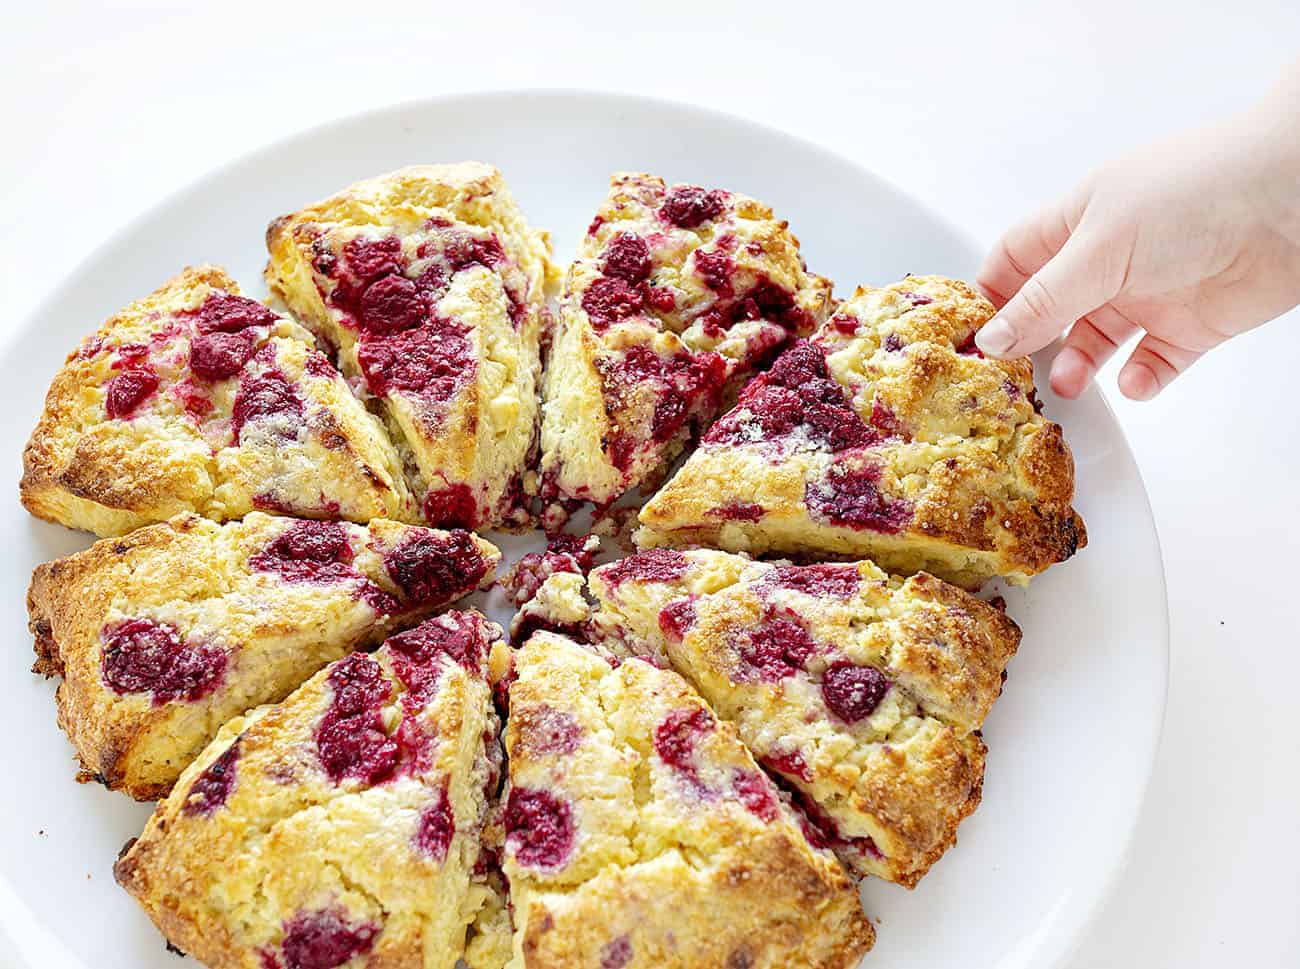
[[1071, 742]]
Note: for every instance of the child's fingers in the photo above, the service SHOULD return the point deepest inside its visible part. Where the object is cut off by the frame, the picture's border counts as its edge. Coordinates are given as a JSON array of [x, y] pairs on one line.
[[1072, 284], [1091, 342], [1152, 366], [1020, 253]]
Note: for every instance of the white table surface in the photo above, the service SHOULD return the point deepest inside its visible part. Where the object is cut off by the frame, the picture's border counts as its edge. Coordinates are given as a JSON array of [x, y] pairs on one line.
[[980, 110]]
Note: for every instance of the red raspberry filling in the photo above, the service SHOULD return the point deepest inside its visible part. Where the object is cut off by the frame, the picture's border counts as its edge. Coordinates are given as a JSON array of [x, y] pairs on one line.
[[415, 745], [616, 953], [219, 356], [778, 648], [893, 343], [688, 206], [436, 828], [369, 258], [129, 389], [391, 303], [853, 692], [627, 257], [351, 740], [660, 298], [790, 764], [433, 362], [797, 394], [318, 365], [917, 299], [226, 313], [430, 567], [773, 302], [967, 347], [837, 581], [652, 565], [539, 828], [764, 301], [564, 553], [93, 346], [212, 788], [323, 940], [195, 401], [144, 656], [756, 792], [850, 497], [844, 323], [308, 551], [676, 736], [886, 421], [609, 300], [462, 250], [532, 618], [267, 395], [452, 506], [822, 832], [716, 268], [681, 386], [676, 618], [417, 654], [737, 511], [544, 730]]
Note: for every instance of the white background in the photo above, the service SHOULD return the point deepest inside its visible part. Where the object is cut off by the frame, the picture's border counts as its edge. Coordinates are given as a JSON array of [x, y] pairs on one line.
[[980, 110]]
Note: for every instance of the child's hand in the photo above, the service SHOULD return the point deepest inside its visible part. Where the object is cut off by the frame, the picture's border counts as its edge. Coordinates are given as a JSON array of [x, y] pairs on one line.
[[1192, 240]]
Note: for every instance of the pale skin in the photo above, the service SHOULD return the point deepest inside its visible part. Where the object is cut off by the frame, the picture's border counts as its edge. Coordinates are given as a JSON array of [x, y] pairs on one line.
[[1184, 244]]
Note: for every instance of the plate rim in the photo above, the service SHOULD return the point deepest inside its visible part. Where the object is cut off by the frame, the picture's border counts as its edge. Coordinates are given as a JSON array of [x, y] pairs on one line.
[[19, 924]]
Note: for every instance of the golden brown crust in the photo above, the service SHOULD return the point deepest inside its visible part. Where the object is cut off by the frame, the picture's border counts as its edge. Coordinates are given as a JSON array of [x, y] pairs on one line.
[[677, 860], [177, 451], [952, 469], [196, 579], [467, 424], [767, 645], [281, 853]]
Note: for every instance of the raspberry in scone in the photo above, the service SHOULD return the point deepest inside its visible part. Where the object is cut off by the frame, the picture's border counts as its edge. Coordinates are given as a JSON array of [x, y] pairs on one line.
[[676, 294], [864, 692], [340, 827], [431, 286], [198, 399], [547, 587], [638, 832], [164, 634], [886, 435]]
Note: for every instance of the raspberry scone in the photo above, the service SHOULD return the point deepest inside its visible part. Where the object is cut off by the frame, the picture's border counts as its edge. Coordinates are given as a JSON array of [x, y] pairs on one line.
[[640, 833], [431, 286], [341, 827], [163, 635], [887, 435], [677, 292], [197, 399], [863, 692]]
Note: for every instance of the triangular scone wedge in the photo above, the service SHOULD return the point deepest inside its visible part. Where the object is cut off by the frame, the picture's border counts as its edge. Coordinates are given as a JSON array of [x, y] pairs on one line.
[[197, 399], [163, 635], [676, 294], [432, 287], [864, 692], [341, 827], [640, 833], [886, 435]]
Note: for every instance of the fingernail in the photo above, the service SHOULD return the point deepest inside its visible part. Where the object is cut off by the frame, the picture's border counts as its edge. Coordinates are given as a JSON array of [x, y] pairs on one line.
[[1138, 382], [995, 337]]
